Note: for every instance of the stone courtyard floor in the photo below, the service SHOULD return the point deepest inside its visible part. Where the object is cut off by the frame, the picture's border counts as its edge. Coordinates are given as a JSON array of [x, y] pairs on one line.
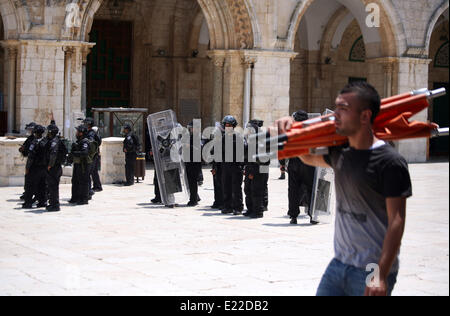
[[120, 244]]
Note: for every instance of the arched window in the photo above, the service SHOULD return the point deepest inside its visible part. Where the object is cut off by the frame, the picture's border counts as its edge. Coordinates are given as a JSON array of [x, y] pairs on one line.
[[441, 57], [358, 51]]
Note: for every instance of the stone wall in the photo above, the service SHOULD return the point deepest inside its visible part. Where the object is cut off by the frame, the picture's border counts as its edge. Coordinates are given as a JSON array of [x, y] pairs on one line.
[[12, 163]]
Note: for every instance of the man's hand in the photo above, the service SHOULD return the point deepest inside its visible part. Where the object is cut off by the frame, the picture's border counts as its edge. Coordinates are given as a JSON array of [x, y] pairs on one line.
[[213, 171], [380, 290], [282, 125], [27, 171], [251, 177], [48, 168]]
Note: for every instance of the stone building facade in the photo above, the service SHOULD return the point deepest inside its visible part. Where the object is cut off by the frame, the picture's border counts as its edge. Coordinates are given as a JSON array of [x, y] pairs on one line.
[[209, 58]]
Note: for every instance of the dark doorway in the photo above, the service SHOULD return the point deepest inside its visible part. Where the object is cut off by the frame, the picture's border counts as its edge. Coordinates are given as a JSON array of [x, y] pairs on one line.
[[356, 79], [439, 146], [108, 68]]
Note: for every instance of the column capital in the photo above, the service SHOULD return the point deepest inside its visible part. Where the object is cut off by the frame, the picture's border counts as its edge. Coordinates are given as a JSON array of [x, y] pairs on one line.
[[218, 61], [11, 48], [248, 60], [69, 50]]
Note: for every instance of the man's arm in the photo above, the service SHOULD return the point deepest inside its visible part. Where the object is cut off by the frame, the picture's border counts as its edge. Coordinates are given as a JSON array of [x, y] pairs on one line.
[[315, 161], [284, 124], [396, 209]]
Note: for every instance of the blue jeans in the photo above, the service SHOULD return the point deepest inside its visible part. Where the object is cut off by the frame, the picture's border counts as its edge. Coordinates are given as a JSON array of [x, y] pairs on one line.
[[343, 280]]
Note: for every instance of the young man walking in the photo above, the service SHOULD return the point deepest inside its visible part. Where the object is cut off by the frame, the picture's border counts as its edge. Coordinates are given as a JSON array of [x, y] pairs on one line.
[[372, 185]]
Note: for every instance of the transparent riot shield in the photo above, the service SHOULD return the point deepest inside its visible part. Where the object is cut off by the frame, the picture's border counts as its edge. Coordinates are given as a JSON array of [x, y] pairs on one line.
[[322, 200], [169, 167]]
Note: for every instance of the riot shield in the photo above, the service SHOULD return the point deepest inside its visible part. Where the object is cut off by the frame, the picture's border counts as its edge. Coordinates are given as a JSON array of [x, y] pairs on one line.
[[169, 167], [322, 200]]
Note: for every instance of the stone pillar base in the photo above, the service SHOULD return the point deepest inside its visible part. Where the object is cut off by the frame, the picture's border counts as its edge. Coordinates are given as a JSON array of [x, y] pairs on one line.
[[113, 160]]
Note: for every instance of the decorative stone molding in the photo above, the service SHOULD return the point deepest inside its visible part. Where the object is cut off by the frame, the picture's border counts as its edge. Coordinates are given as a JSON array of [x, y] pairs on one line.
[[242, 23]]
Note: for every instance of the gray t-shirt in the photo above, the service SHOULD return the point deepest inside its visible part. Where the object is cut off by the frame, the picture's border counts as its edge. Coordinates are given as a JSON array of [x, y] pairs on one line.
[[364, 179]]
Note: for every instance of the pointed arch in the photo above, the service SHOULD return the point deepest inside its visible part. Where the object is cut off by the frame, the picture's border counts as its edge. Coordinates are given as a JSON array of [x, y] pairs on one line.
[[390, 37], [434, 19], [10, 19]]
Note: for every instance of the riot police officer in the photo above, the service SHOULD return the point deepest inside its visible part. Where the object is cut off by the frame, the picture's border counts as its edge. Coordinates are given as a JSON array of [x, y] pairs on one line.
[[216, 170], [256, 180], [232, 171], [131, 146], [24, 149], [81, 167], [300, 180], [55, 152], [95, 184], [35, 171], [193, 168]]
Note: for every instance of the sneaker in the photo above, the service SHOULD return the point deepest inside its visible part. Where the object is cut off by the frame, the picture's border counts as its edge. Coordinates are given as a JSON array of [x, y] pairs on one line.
[[237, 212], [293, 221], [191, 203]]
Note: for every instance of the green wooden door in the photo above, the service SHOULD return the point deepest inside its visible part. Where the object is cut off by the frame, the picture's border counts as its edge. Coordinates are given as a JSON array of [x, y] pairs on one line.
[[108, 68]]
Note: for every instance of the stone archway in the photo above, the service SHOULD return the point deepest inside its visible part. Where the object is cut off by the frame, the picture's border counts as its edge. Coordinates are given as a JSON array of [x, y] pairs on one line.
[[10, 19], [384, 41]]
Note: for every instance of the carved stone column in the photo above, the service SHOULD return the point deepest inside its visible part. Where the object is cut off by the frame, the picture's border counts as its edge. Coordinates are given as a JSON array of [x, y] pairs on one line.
[[12, 62], [388, 68], [68, 53], [85, 51], [248, 62], [218, 61]]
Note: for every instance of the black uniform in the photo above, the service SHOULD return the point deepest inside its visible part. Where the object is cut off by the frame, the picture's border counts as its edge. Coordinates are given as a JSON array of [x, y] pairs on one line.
[[81, 170], [36, 172], [131, 146], [232, 177], [300, 183], [24, 150], [53, 160], [218, 191], [193, 170], [256, 184], [94, 178]]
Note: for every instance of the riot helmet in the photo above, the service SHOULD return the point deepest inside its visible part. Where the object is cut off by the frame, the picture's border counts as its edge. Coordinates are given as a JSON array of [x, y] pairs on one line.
[[52, 130], [89, 122], [229, 119], [300, 116], [81, 131], [38, 131]]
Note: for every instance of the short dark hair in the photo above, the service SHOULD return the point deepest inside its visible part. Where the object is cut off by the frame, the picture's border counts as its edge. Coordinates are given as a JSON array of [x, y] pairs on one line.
[[367, 94]]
